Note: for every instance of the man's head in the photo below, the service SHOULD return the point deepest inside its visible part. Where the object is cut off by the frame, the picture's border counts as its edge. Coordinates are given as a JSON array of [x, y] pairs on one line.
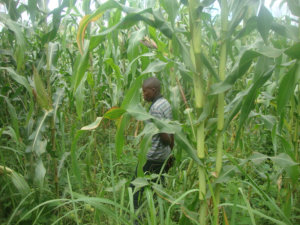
[[151, 89]]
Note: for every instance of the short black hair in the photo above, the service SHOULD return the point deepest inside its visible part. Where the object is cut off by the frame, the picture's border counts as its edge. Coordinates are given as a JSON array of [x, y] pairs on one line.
[[152, 82]]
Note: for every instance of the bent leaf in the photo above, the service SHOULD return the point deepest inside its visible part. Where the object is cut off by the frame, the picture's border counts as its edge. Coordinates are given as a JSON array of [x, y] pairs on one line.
[[286, 87], [114, 113], [93, 125], [90, 18]]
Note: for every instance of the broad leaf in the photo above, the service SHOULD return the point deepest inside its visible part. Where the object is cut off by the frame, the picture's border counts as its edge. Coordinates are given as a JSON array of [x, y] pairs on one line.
[[286, 87], [93, 125], [18, 78], [114, 113], [264, 22], [52, 51], [294, 6], [132, 97], [40, 172], [119, 138], [13, 115], [36, 144], [286, 30], [243, 65], [20, 183], [81, 68], [293, 51], [55, 22], [79, 97], [248, 103], [155, 67], [171, 7], [21, 45], [90, 18]]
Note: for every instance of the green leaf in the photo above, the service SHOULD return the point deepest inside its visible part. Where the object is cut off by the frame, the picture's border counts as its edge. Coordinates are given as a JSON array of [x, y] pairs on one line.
[[36, 144], [160, 23], [293, 51], [234, 107], [80, 70], [269, 121], [105, 207], [155, 67], [79, 97], [21, 44], [172, 8], [32, 9], [52, 55], [241, 68], [117, 186], [243, 65], [40, 147], [11, 132], [40, 172], [57, 100], [41, 94], [250, 26], [283, 160], [93, 125], [287, 87], [294, 6], [208, 65], [239, 10], [55, 22], [147, 55], [18, 78], [114, 113], [20, 183], [90, 18], [75, 163], [258, 158], [166, 127], [148, 132], [264, 22], [14, 117], [119, 138], [248, 103], [286, 30], [132, 97], [134, 41], [138, 112], [116, 69]]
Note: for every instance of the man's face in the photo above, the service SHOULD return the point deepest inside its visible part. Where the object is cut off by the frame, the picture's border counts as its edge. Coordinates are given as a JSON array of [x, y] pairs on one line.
[[148, 93]]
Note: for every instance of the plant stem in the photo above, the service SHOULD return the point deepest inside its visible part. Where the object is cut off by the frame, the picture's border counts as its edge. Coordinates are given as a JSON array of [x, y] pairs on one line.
[[195, 53], [220, 125]]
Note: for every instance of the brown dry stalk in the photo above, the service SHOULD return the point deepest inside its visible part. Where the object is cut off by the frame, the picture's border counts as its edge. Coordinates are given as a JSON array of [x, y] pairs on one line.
[[225, 217], [137, 129], [182, 93]]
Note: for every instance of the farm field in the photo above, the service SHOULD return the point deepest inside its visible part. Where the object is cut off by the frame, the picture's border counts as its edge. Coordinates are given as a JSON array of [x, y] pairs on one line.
[[75, 128]]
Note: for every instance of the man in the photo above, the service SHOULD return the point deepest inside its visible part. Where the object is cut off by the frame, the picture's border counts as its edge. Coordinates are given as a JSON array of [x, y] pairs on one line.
[[162, 143]]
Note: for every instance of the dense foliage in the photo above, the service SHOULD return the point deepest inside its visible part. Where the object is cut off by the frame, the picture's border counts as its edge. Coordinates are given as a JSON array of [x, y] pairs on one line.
[[71, 121]]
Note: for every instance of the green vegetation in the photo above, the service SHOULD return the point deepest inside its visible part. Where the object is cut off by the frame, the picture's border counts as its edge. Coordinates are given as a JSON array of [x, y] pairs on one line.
[[71, 116]]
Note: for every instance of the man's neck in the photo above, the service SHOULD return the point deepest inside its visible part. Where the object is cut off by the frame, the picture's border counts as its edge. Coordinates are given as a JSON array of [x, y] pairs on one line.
[[156, 97]]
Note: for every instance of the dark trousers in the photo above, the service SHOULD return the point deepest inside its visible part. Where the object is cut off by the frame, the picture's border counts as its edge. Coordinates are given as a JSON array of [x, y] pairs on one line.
[[149, 167]]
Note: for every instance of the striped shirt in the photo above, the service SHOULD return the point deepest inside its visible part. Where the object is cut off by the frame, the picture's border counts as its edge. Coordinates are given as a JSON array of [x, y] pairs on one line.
[[160, 109]]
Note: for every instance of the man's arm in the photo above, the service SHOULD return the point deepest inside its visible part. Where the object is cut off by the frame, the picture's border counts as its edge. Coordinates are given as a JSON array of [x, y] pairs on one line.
[[167, 139]]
